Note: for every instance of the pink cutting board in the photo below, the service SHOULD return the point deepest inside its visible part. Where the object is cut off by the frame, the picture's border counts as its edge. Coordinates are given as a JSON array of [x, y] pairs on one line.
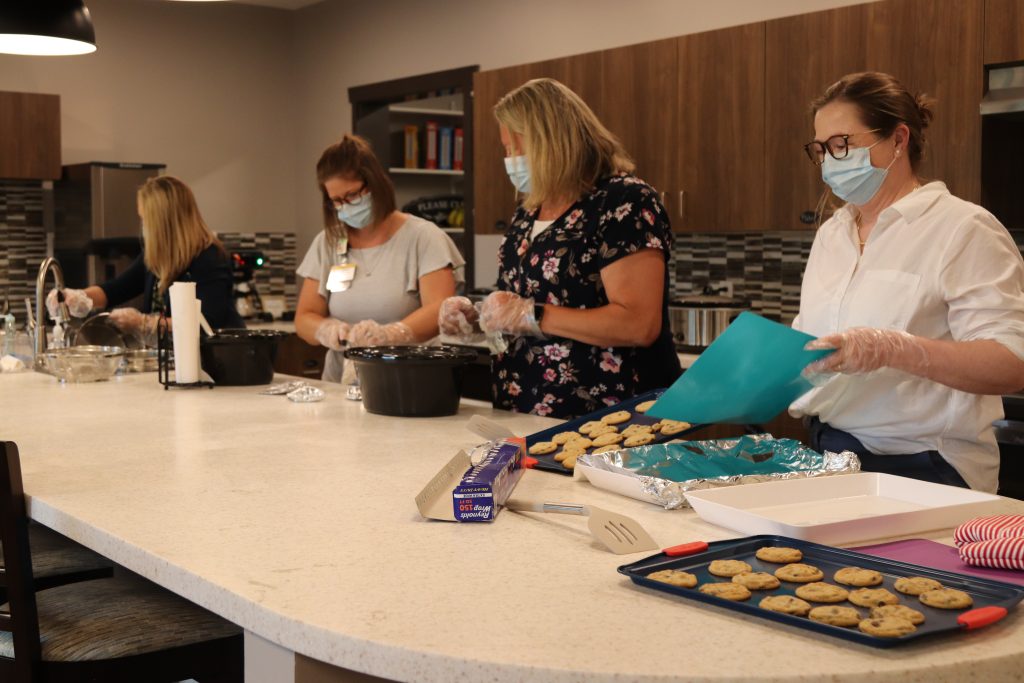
[[937, 556]]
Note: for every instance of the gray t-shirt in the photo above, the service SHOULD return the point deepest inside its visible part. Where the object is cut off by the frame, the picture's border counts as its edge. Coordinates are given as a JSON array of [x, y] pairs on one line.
[[386, 283]]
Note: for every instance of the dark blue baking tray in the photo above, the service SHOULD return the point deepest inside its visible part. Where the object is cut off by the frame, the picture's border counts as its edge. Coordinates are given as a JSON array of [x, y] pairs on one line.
[[988, 595], [548, 462]]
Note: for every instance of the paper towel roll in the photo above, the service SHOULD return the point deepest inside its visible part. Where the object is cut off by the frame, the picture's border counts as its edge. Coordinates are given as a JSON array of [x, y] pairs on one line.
[[185, 331]]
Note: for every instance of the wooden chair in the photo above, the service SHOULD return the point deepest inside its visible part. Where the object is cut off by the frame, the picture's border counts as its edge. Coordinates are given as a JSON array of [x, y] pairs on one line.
[[111, 629], [57, 560]]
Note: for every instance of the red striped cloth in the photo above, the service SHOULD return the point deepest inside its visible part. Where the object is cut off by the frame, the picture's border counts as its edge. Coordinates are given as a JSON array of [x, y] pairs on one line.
[[985, 528], [1000, 553]]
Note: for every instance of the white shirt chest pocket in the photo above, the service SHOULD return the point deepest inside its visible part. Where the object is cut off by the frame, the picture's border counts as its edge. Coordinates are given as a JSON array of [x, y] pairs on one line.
[[884, 299]]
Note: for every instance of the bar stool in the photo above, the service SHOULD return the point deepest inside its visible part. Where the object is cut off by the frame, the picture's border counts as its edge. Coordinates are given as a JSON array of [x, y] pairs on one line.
[[116, 629]]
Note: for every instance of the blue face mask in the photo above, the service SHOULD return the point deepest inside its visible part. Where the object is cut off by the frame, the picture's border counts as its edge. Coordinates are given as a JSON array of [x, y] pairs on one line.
[[518, 172], [357, 214], [852, 178]]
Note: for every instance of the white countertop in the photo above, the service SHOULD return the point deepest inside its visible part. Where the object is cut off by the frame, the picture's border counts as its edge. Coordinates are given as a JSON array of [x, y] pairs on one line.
[[297, 522]]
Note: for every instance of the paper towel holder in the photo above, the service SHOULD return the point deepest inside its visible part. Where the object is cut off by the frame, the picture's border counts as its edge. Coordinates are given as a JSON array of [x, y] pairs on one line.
[[165, 361]]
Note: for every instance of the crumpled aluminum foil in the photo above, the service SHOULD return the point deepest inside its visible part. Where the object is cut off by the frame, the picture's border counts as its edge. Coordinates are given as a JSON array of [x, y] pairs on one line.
[[306, 394], [667, 471], [282, 389]]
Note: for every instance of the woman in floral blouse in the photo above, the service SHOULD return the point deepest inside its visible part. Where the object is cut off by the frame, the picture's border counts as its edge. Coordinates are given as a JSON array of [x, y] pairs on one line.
[[582, 269]]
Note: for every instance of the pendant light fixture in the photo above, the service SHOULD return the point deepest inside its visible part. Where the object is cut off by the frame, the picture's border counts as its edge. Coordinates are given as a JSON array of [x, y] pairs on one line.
[[46, 27]]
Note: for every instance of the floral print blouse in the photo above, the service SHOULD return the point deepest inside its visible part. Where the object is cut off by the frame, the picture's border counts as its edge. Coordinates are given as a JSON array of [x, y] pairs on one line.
[[562, 266]]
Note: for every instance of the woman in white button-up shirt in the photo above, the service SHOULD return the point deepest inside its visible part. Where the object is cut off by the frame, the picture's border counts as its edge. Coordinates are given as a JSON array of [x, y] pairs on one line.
[[920, 292]]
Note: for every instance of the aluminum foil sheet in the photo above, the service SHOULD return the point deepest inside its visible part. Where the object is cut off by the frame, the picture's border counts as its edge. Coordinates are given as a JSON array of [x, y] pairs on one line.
[[667, 471]]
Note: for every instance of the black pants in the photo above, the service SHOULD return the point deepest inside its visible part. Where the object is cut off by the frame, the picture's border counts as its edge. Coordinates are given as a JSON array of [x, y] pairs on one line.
[[926, 466]]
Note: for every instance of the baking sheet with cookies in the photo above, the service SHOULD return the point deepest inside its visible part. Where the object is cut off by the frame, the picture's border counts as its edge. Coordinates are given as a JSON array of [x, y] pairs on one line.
[[801, 592], [623, 425]]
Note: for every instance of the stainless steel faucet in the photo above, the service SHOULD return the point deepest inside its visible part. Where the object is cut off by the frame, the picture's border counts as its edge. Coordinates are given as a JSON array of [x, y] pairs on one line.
[[39, 363]]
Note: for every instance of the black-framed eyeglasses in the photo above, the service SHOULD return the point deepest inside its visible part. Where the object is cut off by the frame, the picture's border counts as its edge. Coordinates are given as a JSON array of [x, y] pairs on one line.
[[838, 146], [348, 198]]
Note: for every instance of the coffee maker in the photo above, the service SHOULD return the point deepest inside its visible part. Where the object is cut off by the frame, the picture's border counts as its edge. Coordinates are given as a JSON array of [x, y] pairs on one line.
[[244, 264]]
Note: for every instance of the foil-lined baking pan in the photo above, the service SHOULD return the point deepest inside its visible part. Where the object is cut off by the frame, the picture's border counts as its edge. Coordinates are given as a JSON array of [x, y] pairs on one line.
[[664, 473]]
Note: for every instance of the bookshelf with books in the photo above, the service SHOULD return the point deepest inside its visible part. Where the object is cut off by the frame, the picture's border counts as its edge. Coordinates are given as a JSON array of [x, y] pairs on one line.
[[421, 130]]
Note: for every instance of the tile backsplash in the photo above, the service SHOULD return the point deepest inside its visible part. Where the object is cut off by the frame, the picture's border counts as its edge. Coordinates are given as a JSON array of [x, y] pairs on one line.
[[277, 278], [22, 241], [764, 267], [23, 248]]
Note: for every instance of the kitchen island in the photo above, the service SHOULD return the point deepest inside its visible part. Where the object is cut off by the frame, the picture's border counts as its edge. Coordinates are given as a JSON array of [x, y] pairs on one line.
[[297, 522]]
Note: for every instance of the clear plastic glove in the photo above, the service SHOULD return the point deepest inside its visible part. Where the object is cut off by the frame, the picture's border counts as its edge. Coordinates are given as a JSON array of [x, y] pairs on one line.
[[79, 303], [372, 333], [332, 333], [866, 349], [509, 313], [140, 325], [458, 318]]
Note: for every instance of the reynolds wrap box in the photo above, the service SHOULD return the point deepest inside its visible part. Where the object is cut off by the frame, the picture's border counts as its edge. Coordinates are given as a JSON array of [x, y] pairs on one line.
[[473, 487]]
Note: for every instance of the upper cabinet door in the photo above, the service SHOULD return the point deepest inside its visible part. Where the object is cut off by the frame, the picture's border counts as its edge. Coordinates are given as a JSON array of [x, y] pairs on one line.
[[932, 46], [803, 56], [720, 159], [935, 47], [639, 103], [493, 195], [29, 136], [1004, 31]]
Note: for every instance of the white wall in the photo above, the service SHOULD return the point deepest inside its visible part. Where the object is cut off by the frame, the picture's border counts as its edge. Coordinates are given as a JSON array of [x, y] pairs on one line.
[[341, 44], [206, 88]]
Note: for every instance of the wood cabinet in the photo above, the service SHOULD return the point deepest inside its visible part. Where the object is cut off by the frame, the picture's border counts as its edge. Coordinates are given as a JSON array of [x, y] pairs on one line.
[[1004, 31], [721, 157], [29, 136], [692, 148], [299, 358], [806, 53], [803, 55], [639, 102], [945, 61], [716, 120]]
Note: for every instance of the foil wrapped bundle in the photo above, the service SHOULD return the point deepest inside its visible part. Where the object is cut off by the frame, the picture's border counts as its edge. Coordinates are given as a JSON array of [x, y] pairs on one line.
[[298, 392], [306, 394], [667, 471], [283, 389]]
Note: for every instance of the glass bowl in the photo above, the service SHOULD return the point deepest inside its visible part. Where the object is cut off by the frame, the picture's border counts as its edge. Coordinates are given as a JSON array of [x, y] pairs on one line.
[[84, 363]]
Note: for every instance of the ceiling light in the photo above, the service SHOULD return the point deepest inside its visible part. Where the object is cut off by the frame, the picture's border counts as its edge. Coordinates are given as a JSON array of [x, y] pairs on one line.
[[48, 27]]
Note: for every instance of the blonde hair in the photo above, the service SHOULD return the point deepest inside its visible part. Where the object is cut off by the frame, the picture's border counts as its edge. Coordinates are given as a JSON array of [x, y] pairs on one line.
[[173, 230], [566, 146]]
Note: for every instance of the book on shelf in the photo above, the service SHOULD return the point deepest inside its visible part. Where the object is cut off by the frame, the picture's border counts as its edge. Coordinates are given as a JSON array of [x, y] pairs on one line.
[[444, 142], [412, 146], [457, 153], [431, 144]]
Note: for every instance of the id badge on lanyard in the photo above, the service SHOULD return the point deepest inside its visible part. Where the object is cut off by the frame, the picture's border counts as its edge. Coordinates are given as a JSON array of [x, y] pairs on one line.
[[341, 275]]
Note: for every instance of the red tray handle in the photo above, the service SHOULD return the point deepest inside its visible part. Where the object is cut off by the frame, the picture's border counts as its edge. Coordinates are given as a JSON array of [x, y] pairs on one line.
[[686, 549], [983, 616], [528, 462]]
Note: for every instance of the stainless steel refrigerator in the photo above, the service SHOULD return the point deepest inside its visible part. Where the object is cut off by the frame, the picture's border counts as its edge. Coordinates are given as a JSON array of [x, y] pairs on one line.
[[97, 226]]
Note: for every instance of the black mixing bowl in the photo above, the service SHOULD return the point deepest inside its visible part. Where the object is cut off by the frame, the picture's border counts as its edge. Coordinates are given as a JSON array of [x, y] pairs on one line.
[[410, 381], [240, 357]]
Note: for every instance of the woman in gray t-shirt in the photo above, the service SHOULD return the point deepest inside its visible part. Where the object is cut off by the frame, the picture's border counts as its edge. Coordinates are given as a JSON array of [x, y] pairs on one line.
[[374, 276]]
